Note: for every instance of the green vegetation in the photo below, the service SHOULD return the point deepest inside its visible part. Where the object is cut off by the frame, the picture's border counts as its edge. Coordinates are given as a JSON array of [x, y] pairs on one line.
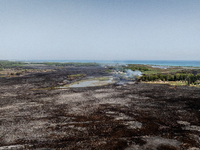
[[190, 78], [193, 71], [148, 70], [173, 75], [134, 67], [162, 71], [1, 69], [11, 64], [69, 64], [108, 70], [153, 71]]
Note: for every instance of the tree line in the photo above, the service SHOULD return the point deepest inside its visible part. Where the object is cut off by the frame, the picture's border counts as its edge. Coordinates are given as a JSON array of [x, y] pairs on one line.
[[191, 78]]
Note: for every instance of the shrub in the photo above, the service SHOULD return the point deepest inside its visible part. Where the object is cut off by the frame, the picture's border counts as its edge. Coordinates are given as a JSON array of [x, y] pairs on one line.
[[197, 82]]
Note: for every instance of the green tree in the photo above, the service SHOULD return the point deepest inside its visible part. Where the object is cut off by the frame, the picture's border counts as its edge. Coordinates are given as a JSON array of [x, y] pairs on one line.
[[171, 78], [160, 76], [177, 77], [167, 77]]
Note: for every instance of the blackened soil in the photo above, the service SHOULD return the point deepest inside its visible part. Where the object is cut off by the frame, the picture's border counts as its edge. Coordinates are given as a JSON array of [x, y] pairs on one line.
[[133, 116], [53, 78]]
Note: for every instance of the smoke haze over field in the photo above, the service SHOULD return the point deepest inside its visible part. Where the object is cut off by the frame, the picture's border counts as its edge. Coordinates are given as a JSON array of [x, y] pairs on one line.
[[135, 73], [100, 30]]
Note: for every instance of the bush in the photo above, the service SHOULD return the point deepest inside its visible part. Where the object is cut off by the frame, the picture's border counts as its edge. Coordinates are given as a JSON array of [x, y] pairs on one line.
[[18, 73], [197, 82]]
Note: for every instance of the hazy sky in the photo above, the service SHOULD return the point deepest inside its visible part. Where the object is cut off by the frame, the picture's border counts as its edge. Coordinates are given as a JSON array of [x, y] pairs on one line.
[[100, 29]]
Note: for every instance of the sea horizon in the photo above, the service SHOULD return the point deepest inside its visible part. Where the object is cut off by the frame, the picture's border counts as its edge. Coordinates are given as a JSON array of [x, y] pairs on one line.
[[194, 63]]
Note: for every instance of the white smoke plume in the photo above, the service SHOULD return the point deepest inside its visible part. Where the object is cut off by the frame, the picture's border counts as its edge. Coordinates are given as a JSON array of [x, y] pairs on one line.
[[133, 74], [127, 74]]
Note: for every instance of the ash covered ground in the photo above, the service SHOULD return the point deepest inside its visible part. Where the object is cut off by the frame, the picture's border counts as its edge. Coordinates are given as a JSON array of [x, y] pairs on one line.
[[126, 116]]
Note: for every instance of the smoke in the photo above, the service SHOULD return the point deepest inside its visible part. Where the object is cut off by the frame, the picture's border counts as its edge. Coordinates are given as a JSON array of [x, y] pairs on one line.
[[120, 71], [133, 74], [127, 74]]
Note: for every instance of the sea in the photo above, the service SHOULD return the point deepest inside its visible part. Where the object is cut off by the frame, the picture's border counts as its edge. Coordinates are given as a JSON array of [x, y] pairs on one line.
[[190, 63]]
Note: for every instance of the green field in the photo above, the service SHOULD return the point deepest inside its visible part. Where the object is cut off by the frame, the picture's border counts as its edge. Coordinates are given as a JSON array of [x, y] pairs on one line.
[[148, 69]]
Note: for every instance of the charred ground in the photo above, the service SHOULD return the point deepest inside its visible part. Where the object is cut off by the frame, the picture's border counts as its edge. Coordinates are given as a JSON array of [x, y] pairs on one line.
[[130, 116]]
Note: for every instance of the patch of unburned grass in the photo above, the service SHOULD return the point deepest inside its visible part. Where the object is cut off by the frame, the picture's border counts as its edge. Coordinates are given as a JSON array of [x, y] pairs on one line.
[[174, 83], [156, 70], [177, 83], [159, 70], [195, 85], [153, 71], [174, 70]]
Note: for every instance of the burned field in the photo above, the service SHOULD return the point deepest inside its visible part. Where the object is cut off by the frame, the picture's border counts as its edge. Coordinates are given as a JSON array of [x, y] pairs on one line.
[[126, 116]]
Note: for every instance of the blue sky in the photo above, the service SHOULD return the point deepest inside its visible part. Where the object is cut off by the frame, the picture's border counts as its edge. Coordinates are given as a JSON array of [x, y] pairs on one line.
[[100, 29]]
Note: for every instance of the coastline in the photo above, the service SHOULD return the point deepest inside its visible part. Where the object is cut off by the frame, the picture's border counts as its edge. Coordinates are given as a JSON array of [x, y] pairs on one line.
[[183, 63]]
